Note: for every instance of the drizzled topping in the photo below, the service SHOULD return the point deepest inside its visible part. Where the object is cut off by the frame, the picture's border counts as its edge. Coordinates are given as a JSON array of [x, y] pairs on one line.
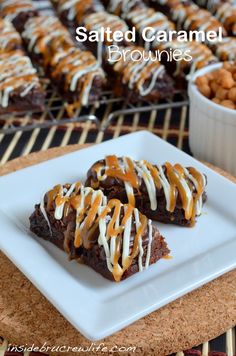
[[123, 7], [46, 35], [49, 38], [140, 15], [75, 65], [190, 17], [226, 49], [17, 73], [9, 37], [120, 227], [99, 20], [140, 74], [10, 9], [200, 53], [181, 185], [78, 8]]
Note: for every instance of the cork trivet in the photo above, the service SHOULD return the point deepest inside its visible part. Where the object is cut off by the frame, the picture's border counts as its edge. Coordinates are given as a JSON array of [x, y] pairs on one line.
[[26, 317]]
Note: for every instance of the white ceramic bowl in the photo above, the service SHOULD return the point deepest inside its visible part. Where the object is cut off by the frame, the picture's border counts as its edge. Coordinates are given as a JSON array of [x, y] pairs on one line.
[[212, 128]]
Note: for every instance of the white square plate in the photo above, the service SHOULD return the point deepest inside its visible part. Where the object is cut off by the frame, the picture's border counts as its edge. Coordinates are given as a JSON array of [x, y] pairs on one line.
[[94, 305]]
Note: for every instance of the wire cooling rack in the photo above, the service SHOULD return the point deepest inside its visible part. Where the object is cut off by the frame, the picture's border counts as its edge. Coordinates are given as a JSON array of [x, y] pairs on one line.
[[111, 117]]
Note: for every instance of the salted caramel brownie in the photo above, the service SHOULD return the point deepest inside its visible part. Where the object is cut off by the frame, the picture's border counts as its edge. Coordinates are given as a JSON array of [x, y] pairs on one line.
[[167, 193], [20, 89], [138, 77], [76, 74], [225, 50], [17, 12], [115, 239], [224, 11], [10, 39], [140, 16], [189, 16], [72, 12], [44, 36]]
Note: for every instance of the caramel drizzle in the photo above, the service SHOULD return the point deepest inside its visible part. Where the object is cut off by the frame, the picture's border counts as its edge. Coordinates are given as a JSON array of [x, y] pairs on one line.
[[113, 220], [176, 181]]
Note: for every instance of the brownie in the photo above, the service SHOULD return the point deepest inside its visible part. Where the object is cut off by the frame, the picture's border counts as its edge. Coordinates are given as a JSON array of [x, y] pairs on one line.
[[20, 89], [17, 11], [76, 74], [138, 15], [225, 50], [138, 78], [115, 239], [10, 39], [224, 11], [72, 13], [189, 16], [44, 36], [169, 194], [182, 67], [103, 20]]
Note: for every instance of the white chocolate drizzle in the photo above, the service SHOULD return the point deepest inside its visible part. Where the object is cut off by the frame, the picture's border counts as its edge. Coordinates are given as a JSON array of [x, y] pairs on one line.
[[17, 73]]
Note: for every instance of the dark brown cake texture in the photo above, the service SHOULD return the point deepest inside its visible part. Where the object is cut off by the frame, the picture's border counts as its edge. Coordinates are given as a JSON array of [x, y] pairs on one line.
[[76, 74], [17, 12], [20, 89], [169, 194], [115, 239]]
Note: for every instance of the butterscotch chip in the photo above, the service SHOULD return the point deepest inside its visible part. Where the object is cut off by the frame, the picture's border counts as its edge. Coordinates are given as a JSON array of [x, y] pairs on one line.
[[225, 79], [202, 80], [214, 86], [221, 93], [232, 94], [216, 100], [228, 104], [205, 90]]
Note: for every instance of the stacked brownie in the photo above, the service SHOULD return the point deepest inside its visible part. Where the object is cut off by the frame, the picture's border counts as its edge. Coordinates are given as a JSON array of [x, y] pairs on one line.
[[167, 193], [106, 223], [115, 239]]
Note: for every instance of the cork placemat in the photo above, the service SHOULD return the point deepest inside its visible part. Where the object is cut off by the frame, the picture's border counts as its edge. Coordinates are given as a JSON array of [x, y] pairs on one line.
[[26, 317]]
